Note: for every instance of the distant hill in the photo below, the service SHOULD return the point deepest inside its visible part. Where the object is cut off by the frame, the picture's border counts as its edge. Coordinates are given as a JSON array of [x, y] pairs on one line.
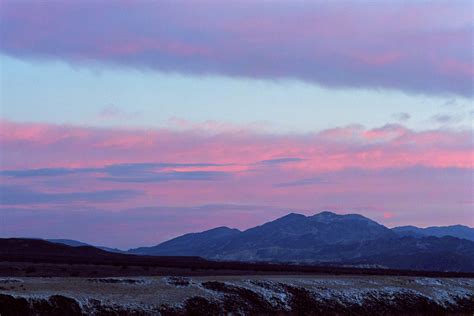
[[324, 238], [75, 243], [458, 231], [37, 247], [68, 242], [38, 250]]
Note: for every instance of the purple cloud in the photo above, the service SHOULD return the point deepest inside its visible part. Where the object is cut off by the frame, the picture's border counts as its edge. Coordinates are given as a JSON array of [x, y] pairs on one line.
[[172, 176], [21, 195], [278, 161], [122, 170], [415, 47], [445, 118], [401, 117], [299, 182]]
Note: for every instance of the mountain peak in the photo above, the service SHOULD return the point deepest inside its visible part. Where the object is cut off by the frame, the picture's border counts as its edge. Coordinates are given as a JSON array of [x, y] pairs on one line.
[[325, 214], [330, 216], [291, 216], [222, 229]]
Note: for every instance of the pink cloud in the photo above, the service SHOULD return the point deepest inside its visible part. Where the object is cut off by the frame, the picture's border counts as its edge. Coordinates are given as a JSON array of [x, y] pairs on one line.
[[335, 149], [416, 47]]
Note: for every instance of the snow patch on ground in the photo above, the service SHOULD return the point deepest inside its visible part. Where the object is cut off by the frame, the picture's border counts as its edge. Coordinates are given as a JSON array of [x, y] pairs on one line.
[[428, 281], [177, 281], [120, 280], [10, 280]]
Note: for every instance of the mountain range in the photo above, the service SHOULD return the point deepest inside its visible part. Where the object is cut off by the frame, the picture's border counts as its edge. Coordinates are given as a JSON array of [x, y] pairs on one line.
[[329, 238], [459, 231]]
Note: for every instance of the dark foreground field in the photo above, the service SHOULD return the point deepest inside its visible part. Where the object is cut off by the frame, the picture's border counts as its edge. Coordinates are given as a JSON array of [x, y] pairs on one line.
[[121, 269]]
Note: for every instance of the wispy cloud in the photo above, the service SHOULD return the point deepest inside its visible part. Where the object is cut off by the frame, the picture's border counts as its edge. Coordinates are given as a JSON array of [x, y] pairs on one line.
[[401, 117], [279, 161], [44, 172], [450, 103], [127, 172], [300, 182], [172, 176], [446, 118]]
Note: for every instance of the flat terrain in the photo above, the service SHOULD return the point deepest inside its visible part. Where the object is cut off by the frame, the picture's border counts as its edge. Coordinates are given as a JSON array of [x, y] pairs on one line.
[[240, 294]]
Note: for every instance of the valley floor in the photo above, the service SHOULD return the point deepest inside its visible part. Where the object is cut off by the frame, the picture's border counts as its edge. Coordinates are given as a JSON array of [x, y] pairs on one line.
[[244, 295]]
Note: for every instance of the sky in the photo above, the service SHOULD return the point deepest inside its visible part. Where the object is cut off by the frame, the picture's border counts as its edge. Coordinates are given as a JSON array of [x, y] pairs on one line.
[[127, 123]]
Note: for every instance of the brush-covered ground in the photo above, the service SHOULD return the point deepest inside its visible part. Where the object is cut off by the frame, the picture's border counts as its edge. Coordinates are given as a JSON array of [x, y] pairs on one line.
[[237, 295]]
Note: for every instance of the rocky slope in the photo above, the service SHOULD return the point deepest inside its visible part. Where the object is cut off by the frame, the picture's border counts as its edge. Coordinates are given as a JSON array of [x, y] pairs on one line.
[[284, 295]]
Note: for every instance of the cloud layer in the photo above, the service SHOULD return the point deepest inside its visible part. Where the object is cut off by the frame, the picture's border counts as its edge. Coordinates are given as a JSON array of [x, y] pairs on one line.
[[194, 149], [421, 46], [60, 171]]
